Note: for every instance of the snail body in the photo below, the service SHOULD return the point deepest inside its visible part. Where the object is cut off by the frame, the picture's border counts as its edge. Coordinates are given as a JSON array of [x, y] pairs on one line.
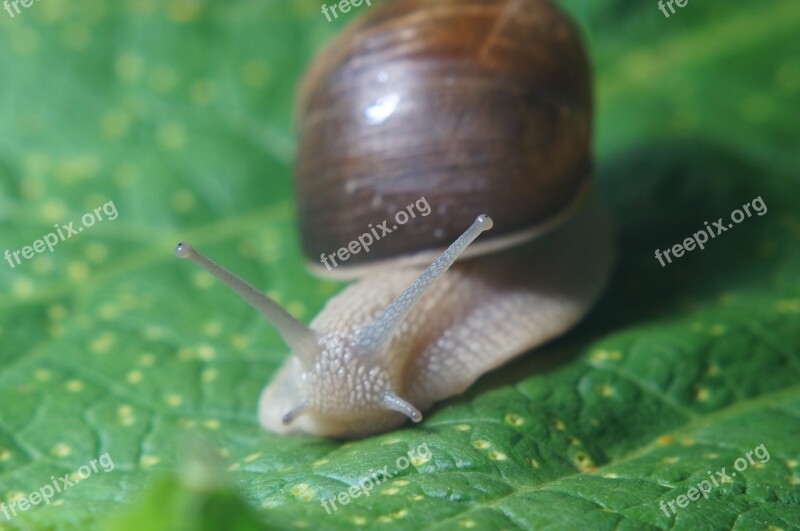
[[484, 108], [481, 313]]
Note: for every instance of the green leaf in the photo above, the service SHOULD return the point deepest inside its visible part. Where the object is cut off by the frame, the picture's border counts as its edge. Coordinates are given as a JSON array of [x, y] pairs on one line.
[[179, 113]]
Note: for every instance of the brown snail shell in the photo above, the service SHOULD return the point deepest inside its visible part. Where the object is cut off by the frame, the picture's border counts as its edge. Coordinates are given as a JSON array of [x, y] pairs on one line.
[[480, 106]]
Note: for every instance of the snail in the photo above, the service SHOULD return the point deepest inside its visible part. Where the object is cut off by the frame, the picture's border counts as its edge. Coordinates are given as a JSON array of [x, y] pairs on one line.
[[483, 108]]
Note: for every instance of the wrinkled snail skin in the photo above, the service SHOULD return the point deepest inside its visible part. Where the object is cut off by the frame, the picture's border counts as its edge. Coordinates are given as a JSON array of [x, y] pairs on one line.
[[477, 316], [483, 107]]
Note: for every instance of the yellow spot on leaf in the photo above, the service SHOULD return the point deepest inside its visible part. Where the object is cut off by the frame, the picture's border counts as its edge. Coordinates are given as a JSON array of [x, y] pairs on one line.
[[43, 265], [419, 460], [514, 420], [788, 306], [22, 288], [297, 309], [172, 136], [173, 400], [206, 352], [299, 489], [56, 312], [153, 333], [239, 342], [584, 462], [96, 252], [108, 312], [102, 343], [61, 450], [605, 391], [212, 328], [202, 280], [77, 270], [202, 92], [129, 67], [74, 386], [115, 124], [77, 168], [183, 11], [717, 330], [599, 355], [126, 175], [149, 460], [14, 496]]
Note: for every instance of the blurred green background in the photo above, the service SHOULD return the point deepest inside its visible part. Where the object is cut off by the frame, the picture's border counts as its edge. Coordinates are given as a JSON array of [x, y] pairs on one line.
[[180, 112]]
